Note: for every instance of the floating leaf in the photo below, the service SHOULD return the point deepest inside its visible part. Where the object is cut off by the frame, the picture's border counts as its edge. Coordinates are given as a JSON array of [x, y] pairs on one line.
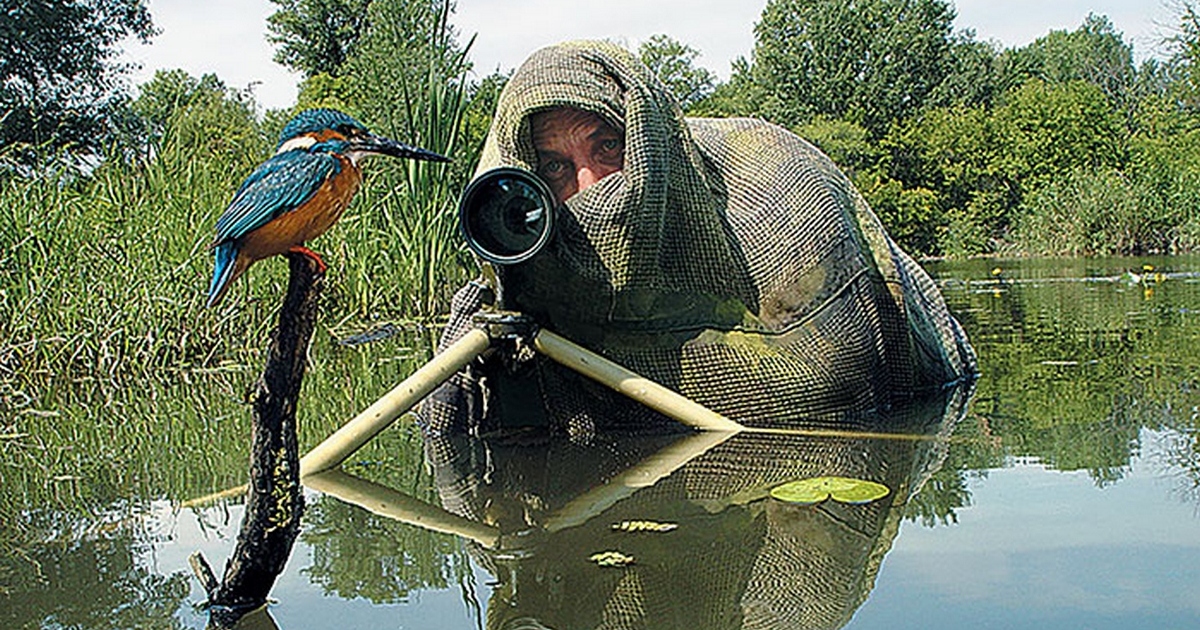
[[611, 559], [644, 526], [817, 489]]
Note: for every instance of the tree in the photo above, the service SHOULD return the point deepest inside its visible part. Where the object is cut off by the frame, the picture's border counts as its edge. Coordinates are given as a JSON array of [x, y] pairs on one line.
[[406, 76], [1184, 64], [740, 96], [198, 117], [1094, 53], [1045, 130], [674, 63], [317, 36], [59, 85], [973, 78], [867, 61]]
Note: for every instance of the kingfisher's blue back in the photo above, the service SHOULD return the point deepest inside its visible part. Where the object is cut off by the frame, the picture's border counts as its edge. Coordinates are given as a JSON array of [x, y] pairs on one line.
[[298, 193]]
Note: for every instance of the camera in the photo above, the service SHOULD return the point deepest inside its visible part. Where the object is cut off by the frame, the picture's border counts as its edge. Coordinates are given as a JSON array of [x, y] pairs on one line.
[[507, 215]]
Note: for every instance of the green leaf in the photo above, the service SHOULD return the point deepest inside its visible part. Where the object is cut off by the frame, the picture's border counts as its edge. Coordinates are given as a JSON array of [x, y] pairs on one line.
[[818, 489]]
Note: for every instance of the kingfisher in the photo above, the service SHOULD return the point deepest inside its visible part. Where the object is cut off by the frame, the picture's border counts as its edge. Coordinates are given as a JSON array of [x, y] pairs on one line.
[[298, 193]]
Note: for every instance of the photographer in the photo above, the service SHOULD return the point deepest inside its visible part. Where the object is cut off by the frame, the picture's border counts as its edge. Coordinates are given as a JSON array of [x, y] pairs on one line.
[[725, 258]]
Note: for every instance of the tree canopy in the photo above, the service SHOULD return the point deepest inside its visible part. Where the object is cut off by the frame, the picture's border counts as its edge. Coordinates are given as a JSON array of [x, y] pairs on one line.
[[868, 61], [59, 80], [674, 63], [317, 36]]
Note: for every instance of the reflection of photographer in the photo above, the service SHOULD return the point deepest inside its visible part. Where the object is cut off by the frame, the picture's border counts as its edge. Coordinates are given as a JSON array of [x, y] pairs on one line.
[[731, 557]]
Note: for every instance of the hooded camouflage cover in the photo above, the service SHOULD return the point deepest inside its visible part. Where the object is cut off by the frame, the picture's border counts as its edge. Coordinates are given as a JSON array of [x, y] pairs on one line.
[[729, 259]]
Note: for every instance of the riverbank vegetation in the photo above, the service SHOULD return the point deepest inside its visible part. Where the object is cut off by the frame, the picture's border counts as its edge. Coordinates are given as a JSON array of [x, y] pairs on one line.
[[1060, 147], [1064, 146]]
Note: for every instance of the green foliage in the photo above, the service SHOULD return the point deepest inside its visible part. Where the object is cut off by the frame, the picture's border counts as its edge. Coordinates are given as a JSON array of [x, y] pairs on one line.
[[980, 163], [739, 97], [841, 489], [316, 36], [974, 75], [198, 118], [481, 107], [847, 144], [1094, 53], [58, 82], [406, 79], [1044, 130], [102, 278], [387, 76], [1185, 44], [323, 90], [674, 63], [955, 142], [868, 61], [910, 215], [1090, 212]]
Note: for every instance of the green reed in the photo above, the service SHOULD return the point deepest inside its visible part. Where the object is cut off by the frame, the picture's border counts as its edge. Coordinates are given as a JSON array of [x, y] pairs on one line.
[[117, 382], [105, 277]]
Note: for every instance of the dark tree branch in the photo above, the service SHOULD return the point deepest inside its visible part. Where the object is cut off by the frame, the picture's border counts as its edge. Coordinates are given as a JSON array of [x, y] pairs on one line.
[[275, 503]]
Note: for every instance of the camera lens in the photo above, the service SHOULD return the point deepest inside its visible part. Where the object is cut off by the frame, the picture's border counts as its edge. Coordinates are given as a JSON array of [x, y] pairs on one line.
[[507, 215]]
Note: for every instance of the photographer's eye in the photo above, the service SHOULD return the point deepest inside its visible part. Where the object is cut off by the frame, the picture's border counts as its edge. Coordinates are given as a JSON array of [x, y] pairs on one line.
[[554, 170], [610, 152]]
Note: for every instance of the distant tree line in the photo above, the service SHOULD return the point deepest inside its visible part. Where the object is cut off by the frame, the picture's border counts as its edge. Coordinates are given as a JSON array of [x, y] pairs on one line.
[[1064, 146]]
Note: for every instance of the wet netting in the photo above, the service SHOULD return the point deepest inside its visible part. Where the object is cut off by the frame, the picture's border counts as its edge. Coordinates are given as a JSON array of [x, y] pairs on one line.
[[734, 559], [729, 260]]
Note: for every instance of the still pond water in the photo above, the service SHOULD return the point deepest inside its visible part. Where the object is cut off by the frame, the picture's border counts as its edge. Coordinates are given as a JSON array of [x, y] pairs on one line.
[[1062, 492]]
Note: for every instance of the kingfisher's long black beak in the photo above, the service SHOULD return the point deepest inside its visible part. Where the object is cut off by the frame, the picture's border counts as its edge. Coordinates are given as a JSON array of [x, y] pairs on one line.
[[371, 144]]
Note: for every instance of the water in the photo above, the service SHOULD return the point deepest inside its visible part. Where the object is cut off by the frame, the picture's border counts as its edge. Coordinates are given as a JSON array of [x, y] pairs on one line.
[[1066, 495]]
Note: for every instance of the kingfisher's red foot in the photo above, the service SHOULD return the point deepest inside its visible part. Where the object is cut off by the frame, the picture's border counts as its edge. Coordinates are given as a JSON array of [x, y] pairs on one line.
[[300, 249]]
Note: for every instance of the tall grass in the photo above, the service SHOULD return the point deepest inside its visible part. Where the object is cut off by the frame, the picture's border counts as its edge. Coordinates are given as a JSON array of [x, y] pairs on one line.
[[104, 278], [403, 251], [1105, 213]]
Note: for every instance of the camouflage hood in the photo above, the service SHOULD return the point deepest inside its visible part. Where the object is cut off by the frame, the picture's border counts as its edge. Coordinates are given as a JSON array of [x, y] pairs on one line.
[[729, 258], [646, 247]]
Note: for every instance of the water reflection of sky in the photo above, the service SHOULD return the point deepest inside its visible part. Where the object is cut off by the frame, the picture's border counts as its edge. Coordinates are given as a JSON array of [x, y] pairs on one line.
[[1040, 548]]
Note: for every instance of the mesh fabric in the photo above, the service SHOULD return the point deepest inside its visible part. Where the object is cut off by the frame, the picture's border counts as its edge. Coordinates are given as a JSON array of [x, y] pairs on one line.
[[729, 260]]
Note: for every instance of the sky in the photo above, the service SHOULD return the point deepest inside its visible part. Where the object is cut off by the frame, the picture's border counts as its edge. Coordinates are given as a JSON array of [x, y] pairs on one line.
[[227, 37]]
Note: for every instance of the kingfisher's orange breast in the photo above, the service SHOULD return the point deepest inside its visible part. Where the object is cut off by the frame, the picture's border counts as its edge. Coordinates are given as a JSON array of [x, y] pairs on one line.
[[309, 220]]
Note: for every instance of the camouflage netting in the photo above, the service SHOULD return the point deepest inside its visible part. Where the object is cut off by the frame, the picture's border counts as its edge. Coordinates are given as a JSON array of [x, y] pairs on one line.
[[729, 260], [737, 559]]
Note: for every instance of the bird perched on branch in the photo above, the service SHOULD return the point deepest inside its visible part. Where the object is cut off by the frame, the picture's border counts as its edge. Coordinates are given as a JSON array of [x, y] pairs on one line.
[[298, 193]]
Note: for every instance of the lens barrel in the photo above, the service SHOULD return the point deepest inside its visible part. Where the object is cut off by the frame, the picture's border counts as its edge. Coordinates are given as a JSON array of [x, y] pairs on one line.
[[507, 215]]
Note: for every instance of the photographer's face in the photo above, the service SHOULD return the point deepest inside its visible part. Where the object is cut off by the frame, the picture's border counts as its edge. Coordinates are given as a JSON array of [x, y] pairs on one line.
[[575, 149]]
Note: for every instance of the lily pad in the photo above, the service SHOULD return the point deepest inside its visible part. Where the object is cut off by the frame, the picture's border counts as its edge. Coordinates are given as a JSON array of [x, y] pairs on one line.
[[818, 489]]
